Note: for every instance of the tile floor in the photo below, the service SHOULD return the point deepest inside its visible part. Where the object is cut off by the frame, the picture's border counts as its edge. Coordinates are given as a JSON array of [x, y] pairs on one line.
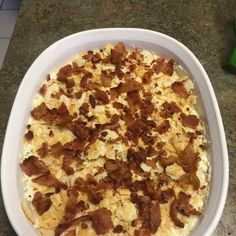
[[8, 15]]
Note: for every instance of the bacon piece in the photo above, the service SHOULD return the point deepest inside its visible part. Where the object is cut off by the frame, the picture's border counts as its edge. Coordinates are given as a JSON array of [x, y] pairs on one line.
[[49, 180], [147, 108], [118, 229], [182, 205], [167, 160], [101, 221], [43, 150], [92, 101], [29, 135], [75, 145], [90, 56], [142, 232], [71, 206], [42, 90], [136, 55], [155, 217], [165, 195], [57, 149], [67, 161], [169, 109], [178, 87], [79, 130], [189, 159], [189, 179], [118, 171], [33, 166], [63, 115], [41, 203], [101, 97], [117, 105], [146, 78], [189, 120], [39, 111], [158, 66], [130, 86], [168, 67], [163, 178], [63, 74], [163, 127], [65, 71], [84, 109], [106, 79], [118, 53], [134, 100]]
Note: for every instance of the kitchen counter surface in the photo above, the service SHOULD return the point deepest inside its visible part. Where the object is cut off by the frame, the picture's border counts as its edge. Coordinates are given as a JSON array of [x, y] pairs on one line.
[[205, 27]]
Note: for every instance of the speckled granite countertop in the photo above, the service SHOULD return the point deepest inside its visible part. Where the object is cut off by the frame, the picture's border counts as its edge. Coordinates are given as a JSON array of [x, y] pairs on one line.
[[203, 26]]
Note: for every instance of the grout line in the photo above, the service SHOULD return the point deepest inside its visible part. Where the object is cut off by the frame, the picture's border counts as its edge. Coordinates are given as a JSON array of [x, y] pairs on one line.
[[15, 9]]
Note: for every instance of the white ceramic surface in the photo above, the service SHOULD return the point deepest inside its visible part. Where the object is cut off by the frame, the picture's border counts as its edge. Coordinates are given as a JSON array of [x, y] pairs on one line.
[[58, 54]]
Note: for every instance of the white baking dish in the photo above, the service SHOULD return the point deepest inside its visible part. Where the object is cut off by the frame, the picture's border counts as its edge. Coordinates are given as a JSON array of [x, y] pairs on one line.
[[58, 54]]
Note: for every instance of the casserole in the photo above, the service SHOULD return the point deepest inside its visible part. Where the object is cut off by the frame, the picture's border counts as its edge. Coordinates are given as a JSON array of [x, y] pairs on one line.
[[62, 51]]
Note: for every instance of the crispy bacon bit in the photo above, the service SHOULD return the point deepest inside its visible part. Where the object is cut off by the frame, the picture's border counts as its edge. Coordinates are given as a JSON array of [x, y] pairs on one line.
[[57, 149], [118, 53], [155, 217], [33, 166], [130, 86], [169, 109], [163, 127], [163, 178], [182, 206], [147, 108], [79, 129], [132, 67], [101, 97], [65, 71], [158, 66], [50, 181], [39, 111], [92, 101], [168, 67], [42, 90], [136, 55], [41, 203], [134, 100], [189, 120], [48, 77], [43, 150], [146, 78], [29, 135], [118, 229], [106, 78], [167, 160], [75, 145], [165, 195], [90, 56], [178, 87], [84, 109], [67, 161], [51, 134], [189, 179], [117, 105], [101, 221], [142, 232], [189, 159]]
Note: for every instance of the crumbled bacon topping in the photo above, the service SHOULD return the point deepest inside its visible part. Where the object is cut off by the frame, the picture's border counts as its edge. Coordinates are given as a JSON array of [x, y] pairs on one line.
[[182, 205], [118, 53], [106, 78], [189, 120], [29, 135], [50, 181], [41, 203], [178, 87], [101, 221], [101, 97], [33, 166]]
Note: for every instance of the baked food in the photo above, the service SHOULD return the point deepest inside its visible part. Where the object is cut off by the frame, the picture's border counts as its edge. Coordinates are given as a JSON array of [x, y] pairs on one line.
[[115, 145]]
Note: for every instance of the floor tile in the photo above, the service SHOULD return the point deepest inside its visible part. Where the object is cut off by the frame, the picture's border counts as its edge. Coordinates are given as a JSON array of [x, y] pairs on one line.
[[7, 22], [11, 4], [3, 49]]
